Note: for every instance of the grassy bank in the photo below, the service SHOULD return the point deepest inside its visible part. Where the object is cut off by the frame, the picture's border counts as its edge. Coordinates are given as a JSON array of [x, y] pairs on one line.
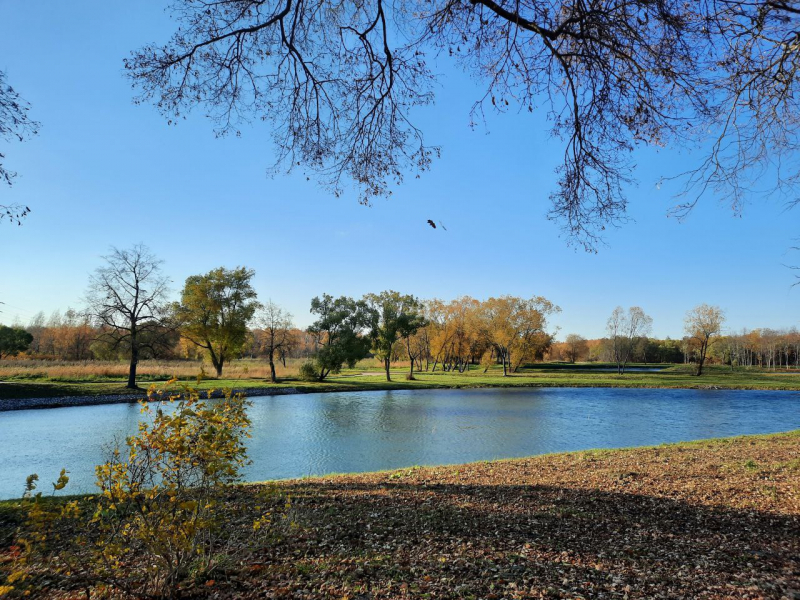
[[37, 383], [708, 519]]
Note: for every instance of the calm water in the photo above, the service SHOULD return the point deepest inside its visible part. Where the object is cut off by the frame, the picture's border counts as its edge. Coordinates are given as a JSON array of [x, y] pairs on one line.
[[364, 431]]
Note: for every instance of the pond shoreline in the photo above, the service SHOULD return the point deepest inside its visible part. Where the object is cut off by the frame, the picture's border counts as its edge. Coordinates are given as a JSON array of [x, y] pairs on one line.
[[63, 401]]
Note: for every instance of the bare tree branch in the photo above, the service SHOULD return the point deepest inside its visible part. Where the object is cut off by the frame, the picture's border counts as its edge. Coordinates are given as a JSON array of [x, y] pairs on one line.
[[338, 83], [15, 124]]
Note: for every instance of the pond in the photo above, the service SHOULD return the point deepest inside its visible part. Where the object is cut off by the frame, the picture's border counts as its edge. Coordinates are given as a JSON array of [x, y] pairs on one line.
[[314, 434]]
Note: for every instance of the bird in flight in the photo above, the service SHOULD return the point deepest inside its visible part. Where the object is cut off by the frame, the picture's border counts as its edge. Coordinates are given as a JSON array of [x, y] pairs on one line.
[[432, 224]]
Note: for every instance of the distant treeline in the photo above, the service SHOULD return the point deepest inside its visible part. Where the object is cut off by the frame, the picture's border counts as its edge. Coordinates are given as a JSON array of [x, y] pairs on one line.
[[451, 335], [129, 315], [767, 348], [644, 350], [449, 341]]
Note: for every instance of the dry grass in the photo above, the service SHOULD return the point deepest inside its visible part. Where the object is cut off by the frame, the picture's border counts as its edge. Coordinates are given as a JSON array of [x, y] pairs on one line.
[[154, 370]]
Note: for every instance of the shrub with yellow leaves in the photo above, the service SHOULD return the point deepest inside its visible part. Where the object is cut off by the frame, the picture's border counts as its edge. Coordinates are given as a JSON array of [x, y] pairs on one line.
[[158, 520]]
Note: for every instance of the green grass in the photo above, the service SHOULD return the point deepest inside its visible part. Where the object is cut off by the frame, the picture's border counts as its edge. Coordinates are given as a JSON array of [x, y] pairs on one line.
[[540, 375]]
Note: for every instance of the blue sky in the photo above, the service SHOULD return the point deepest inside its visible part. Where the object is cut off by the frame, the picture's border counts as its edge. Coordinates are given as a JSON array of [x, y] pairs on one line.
[[105, 172]]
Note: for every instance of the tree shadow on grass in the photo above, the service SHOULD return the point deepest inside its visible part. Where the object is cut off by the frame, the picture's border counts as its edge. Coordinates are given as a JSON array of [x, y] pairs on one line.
[[401, 539]]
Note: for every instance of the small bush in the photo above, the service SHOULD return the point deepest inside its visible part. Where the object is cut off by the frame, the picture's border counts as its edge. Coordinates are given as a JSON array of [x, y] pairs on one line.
[[308, 371], [162, 515]]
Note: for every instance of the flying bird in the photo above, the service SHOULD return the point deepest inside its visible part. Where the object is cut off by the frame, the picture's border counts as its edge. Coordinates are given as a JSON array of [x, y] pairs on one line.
[[432, 224]]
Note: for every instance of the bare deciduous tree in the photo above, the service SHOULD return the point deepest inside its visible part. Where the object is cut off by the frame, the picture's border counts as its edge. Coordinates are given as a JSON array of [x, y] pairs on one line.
[[753, 121], [127, 298], [576, 346], [276, 328], [624, 329], [15, 124]]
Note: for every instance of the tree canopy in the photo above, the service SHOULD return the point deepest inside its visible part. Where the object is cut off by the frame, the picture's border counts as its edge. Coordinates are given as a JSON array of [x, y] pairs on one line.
[[516, 327], [13, 340], [342, 332], [338, 83], [701, 324], [214, 312], [398, 318]]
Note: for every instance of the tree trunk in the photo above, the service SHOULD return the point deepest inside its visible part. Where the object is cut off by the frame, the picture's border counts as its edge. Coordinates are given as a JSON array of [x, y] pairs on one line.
[[217, 362], [410, 358], [387, 362], [701, 360], [132, 369], [272, 377]]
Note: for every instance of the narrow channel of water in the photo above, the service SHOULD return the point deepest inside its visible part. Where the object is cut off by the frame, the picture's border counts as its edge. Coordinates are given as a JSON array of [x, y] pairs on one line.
[[315, 434]]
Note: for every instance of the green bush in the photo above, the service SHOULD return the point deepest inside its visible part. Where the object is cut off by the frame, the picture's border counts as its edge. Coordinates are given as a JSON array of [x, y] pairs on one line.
[[308, 371]]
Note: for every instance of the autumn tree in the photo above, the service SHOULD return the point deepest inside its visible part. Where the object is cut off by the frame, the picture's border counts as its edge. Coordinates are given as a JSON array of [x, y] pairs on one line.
[[275, 326], [440, 331], [127, 298], [338, 82], [457, 332], [576, 347], [418, 348], [398, 318], [15, 124], [624, 329], [701, 324], [214, 312], [342, 332], [514, 326], [73, 338], [13, 340]]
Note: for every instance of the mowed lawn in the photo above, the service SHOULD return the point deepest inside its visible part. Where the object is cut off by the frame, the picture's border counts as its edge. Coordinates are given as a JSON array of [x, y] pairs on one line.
[[37, 383], [708, 519]]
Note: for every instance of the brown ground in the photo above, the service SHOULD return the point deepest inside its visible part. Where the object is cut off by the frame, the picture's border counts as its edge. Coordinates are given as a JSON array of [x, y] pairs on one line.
[[716, 519]]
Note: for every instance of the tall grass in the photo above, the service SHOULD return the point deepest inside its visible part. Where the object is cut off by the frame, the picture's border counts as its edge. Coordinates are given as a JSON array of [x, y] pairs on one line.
[[148, 370]]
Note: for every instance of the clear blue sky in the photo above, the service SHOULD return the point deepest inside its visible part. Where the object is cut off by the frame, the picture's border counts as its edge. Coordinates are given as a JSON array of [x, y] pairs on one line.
[[105, 172]]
